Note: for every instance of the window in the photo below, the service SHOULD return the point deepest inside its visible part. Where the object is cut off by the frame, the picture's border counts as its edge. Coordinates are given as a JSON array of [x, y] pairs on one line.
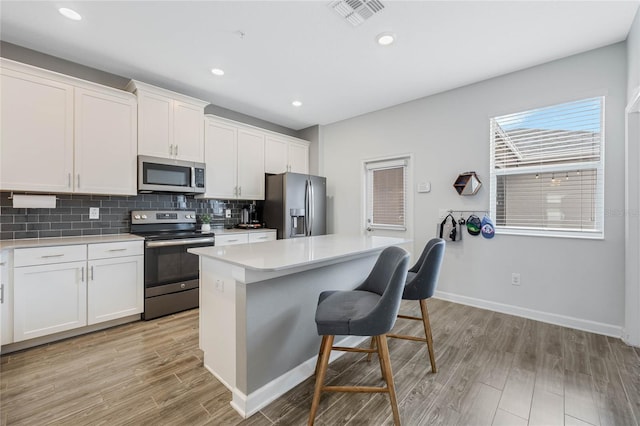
[[547, 170], [386, 194]]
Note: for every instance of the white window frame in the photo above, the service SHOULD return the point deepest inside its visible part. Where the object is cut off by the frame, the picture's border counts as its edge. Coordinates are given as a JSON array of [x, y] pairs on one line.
[[381, 164], [597, 233]]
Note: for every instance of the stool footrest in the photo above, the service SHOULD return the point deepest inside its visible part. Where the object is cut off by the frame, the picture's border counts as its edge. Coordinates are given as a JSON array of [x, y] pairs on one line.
[[410, 317], [402, 336], [366, 389], [346, 349]]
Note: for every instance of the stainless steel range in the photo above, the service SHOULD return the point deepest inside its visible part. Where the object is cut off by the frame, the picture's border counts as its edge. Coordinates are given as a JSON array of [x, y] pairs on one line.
[[170, 273]]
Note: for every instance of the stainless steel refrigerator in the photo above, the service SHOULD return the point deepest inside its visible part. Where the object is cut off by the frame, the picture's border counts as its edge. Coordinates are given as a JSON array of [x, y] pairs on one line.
[[295, 204]]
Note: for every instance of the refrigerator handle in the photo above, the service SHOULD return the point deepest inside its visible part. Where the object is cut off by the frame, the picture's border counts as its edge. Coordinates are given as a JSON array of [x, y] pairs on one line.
[[312, 207], [307, 205]]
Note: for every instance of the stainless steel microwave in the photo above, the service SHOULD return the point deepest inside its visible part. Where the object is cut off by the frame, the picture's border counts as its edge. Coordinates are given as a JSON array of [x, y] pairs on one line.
[[157, 174]]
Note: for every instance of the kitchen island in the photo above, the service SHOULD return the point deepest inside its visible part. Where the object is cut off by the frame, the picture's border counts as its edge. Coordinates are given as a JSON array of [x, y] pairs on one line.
[[258, 303]]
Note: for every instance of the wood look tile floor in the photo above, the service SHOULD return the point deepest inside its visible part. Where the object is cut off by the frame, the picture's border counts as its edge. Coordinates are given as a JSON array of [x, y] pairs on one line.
[[493, 369]]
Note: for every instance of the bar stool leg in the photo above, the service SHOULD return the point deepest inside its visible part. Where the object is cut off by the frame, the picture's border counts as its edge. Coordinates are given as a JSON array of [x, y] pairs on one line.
[[323, 360], [385, 363], [320, 352], [427, 332], [372, 345]]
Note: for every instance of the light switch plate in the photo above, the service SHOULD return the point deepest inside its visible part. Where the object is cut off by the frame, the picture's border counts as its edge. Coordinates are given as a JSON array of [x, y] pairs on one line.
[[424, 187], [94, 213]]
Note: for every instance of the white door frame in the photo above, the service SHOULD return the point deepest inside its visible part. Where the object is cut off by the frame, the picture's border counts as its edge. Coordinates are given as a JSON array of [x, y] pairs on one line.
[[631, 330]]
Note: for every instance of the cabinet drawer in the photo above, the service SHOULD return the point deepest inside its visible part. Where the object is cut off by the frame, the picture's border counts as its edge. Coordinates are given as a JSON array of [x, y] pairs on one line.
[[49, 255], [258, 237], [227, 240], [119, 249]]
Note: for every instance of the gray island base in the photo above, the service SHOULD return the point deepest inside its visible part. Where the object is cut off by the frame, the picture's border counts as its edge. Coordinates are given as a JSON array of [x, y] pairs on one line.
[[258, 303]]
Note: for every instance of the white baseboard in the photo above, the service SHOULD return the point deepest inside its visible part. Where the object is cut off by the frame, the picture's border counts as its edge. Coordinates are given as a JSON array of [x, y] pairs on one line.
[[247, 405], [563, 320]]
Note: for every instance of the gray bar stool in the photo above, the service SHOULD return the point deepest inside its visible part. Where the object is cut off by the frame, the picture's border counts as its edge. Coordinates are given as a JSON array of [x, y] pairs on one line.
[[369, 310], [422, 280]]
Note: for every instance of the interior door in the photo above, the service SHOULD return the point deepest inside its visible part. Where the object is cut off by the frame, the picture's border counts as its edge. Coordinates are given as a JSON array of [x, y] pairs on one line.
[[388, 198]]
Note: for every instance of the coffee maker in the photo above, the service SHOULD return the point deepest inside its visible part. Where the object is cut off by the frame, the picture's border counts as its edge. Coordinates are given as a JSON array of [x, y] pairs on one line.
[[249, 218]]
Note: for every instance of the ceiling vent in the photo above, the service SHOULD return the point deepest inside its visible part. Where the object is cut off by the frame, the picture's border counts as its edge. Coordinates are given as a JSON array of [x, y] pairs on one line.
[[357, 11]]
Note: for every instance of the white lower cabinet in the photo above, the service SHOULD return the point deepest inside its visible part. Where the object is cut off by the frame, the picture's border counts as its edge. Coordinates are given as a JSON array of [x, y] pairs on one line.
[[61, 288], [244, 238], [115, 287], [6, 300], [49, 299]]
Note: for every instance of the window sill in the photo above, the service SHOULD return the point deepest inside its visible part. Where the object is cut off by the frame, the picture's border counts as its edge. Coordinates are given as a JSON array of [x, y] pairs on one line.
[[595, 235]]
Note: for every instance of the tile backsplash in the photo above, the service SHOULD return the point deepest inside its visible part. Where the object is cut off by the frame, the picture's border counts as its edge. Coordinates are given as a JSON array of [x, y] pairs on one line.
[[71, 215]]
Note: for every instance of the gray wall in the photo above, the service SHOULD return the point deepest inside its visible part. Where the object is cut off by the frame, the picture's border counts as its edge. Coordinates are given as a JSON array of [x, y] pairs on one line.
[[570, 281]]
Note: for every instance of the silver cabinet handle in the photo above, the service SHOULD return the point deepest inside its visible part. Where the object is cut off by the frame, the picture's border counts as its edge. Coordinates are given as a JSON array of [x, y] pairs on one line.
[[235, 190], [91, 272], [52, 255], [231, 241], [69, 180], [2, 294], [239, 191], [171, 149], [179, 242], [78, 180], [120, 249], [176, 150], [82, 274]]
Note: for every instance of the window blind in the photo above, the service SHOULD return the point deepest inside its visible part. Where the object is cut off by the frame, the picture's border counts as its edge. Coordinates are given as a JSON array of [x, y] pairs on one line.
[[547, 169], [386, 192]]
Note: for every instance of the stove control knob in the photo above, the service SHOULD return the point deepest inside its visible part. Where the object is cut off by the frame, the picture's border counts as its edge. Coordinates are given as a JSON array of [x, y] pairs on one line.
[[144, 216], [136, 216], [188, 216]]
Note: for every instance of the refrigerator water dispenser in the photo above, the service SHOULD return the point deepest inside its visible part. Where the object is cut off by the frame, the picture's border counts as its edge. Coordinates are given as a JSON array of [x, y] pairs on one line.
[[297, 222]]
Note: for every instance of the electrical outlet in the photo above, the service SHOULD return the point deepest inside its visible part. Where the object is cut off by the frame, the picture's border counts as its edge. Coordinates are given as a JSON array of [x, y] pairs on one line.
[[94, 213], [220, 285], [227, 213], [515, 278]]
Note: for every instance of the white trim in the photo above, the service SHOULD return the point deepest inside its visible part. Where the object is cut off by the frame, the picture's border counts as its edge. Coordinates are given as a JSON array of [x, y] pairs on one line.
[[247, 405], [562, 320], [631, 331]]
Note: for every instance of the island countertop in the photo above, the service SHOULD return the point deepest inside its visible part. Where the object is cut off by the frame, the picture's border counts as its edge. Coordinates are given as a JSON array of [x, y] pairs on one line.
[[291, 253]]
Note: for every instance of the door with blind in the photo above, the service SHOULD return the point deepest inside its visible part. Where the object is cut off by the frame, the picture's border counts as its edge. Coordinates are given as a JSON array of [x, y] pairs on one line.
[[388, 200]]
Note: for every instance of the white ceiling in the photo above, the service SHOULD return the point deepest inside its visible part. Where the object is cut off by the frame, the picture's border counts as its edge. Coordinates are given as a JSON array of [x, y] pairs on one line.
[[304, 50]]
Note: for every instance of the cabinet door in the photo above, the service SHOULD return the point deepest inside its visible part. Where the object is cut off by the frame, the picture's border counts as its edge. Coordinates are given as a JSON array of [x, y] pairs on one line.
[[187, 131], [221, 153], [298, 158], [260, 237], [155, 125], [6, 305], [49, 299], [250, 165], [105, 143], [36, 133], [232, 239], [275, 155], [115, 288]]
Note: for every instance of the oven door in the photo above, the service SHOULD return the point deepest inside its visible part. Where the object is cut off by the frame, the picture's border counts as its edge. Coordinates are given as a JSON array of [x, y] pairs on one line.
[[167, 261]]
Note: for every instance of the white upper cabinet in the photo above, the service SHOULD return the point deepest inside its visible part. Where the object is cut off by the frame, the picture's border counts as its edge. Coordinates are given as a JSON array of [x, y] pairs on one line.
[[169, 124], [298, 154], [234, 155], [62, 134], [286, 154], [36, 133], [221, 154], [105, 135]]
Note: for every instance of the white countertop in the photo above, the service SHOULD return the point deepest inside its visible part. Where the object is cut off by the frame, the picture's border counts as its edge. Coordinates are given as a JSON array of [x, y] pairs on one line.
[[65, 241], [290, 253]]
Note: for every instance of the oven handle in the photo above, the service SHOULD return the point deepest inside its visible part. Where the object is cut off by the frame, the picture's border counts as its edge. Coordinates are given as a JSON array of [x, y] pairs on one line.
[[179, 242]]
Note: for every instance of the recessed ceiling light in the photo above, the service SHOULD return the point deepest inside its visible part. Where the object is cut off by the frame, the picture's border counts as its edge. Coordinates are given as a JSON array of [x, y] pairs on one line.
[[385, 39], [296, 103], [217, 71], [69, 13]]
